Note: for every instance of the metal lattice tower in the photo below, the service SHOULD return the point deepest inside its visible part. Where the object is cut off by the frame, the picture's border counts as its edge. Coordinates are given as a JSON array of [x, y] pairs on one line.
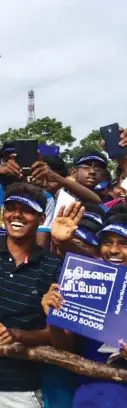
[[31, 107]]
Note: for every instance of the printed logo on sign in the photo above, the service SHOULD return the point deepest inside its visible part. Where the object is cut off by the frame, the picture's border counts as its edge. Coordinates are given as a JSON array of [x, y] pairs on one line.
[[90, 287]]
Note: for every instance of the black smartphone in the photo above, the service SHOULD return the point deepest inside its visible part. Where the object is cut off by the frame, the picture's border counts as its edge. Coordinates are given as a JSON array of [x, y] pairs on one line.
[[26, 151], [111, 136]]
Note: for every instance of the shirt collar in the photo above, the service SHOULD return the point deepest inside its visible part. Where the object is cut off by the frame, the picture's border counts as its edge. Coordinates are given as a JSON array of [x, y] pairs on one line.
[[37, 250]]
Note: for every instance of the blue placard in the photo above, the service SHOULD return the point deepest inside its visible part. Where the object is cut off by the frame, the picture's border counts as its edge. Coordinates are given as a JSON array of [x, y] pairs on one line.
[[96, 299], [48, 150]]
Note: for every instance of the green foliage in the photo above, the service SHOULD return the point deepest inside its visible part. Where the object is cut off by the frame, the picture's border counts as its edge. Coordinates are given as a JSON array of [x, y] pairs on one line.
[[46, 130], [92, 141]]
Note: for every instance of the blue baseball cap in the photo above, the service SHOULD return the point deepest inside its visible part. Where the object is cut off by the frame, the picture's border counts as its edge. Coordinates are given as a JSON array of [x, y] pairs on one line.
[[90, 156], [94, 217], [87, 236], [119, 229], [7, 148], [27, 201]]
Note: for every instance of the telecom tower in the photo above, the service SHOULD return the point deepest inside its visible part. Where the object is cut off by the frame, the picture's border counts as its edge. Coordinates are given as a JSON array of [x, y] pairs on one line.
[[31, 107]]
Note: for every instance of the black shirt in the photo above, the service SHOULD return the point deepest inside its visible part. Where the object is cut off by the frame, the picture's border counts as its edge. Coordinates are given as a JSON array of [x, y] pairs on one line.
[[21, 291]]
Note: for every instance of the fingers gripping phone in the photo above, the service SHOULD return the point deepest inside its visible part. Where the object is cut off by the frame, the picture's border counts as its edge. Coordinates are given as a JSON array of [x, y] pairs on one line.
[[111, 136], [26, 151]]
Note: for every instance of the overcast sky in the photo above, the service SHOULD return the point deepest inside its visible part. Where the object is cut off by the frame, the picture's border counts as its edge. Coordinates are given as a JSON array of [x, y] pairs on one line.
[[73, 53]]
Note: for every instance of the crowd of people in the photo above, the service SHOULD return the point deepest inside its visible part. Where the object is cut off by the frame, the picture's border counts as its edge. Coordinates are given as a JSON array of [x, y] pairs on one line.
[[33, 244]]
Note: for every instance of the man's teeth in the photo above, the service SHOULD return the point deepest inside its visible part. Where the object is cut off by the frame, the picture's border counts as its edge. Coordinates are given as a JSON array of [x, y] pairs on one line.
[[17, 225], [116, 260]]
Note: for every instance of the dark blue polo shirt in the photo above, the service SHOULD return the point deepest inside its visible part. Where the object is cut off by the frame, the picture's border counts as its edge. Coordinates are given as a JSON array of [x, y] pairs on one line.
[[21, 291]]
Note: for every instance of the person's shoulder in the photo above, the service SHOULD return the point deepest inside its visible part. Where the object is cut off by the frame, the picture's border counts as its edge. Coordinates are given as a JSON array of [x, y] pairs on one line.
[[50, 266], [50, 257]]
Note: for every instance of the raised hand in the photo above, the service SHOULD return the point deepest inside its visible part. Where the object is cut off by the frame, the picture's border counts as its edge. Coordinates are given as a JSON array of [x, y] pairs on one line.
[[66, 222], [123, 137], [39, 171]]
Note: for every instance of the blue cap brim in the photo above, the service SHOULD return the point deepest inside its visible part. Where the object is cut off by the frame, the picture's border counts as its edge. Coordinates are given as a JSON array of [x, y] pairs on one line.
[[116, 228], [30, 203], [83, 160], [94, 217], [8, 150], [86, 236]]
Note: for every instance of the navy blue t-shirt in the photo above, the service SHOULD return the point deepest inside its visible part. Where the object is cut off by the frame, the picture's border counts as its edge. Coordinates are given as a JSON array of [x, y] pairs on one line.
[[92, 393]]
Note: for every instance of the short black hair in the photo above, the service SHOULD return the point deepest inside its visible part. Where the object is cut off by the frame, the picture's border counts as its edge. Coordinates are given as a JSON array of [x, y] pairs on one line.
[[117, 214], [88, 153], [57, 164], [27, 190]]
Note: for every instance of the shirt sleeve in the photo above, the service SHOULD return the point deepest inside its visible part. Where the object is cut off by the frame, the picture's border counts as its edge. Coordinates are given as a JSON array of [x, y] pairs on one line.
[[50, 208]]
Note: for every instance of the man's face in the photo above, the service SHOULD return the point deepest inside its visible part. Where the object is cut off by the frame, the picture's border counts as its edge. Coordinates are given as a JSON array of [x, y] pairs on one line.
[[90, 174], [113, 248], [20, 220]]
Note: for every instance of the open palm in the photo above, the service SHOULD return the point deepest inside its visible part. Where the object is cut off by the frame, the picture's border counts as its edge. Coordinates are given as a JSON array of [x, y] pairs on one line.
[[66, 222]]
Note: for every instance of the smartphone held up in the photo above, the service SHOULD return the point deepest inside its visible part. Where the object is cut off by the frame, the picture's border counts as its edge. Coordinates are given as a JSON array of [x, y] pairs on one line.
[[111, 136], [26, 155]]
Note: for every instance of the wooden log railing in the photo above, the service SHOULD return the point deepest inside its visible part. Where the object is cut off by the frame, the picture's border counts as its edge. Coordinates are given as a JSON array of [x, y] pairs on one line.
[[67, 360]]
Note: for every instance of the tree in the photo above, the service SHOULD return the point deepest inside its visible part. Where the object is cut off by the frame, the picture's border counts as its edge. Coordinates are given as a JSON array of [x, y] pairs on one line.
[[92, 141], [46, 130]]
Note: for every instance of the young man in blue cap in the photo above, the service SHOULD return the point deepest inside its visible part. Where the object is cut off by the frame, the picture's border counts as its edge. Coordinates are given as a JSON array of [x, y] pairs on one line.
[[10, 172], [89, 169], [26, 273], [113, 237]]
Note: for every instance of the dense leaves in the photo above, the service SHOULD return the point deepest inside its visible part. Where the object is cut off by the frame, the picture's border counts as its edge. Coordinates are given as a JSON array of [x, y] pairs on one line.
[[46, 130]]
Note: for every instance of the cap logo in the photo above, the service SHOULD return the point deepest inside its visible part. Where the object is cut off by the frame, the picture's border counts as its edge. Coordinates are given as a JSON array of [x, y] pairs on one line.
[[84, 159], [116, 227], [89, 237], [31, 203], [95, 217]]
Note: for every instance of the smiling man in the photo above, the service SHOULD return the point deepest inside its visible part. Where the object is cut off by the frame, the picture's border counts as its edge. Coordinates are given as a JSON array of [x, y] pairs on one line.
[[26, 273], [113, 238]]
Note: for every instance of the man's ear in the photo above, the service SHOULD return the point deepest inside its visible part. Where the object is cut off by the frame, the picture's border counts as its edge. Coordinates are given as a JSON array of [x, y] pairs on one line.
[[42, 219], [74, 173]]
